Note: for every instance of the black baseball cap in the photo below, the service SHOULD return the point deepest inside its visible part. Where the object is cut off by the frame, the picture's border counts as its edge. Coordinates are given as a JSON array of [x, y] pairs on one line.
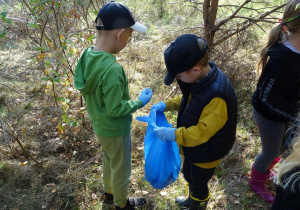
[[116, 15], [182, 54]]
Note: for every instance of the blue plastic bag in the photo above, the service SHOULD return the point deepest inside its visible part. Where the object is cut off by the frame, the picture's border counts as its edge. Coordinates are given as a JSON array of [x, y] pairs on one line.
[[162, 159]]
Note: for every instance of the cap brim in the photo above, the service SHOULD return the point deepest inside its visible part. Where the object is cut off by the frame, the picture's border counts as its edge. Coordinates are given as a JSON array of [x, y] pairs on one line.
[[139, 28], [169, 78]]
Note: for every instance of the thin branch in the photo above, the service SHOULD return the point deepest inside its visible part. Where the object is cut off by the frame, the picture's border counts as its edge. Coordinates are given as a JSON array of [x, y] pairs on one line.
[[27, 5], [22, 147], [271, 11], [172, 92], [4, 131], [58, 34], [230, 17], [232, 34], [251, 21]]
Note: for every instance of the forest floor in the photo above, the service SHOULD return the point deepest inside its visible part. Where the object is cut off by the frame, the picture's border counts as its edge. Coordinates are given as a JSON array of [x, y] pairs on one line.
[[68, 172]]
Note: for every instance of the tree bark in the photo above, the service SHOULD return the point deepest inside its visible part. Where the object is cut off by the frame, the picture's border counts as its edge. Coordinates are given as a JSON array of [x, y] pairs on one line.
[[210, 9]]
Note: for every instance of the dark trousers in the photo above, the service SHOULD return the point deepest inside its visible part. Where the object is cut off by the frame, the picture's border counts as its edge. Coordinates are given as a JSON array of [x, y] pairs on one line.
[[198, 179]]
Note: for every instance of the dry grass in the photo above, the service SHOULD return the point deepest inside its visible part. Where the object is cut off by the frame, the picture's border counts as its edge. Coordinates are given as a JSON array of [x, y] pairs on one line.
[[70, 176]]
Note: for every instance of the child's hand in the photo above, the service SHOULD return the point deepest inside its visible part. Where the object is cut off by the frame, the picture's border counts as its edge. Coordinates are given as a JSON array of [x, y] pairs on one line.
[[146, 95], [165, 133], [160, 106]]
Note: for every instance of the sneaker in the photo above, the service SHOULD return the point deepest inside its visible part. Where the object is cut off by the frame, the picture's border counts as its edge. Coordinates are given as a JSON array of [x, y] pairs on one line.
[[133, 203], [108, 198]]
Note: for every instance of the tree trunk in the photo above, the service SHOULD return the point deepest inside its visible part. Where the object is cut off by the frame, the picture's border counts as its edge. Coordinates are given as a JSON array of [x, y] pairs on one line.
[[210, 9]]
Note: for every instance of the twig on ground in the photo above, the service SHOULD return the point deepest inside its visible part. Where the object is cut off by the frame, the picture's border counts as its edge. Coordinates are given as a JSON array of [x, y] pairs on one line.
[[173, 91], [22, 147], [4, 131]]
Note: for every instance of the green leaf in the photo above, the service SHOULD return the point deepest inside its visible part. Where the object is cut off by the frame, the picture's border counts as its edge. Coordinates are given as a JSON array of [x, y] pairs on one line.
[[91, 38], [66, 100], [73, 123], [33, 25], [65, 118], [62, 60], [45, 78], [60, 98], [56, 79], [3, 17], [3, 14], [42, 48], [8, 20], [3, 33]]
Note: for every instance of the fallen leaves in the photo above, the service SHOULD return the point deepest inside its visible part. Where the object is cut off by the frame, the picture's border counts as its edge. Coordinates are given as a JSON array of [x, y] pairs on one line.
[[41, 57], [60, 129]]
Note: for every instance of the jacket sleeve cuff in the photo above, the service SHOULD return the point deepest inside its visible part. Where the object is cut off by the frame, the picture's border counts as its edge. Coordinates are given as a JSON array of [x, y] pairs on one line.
[[140, 103]]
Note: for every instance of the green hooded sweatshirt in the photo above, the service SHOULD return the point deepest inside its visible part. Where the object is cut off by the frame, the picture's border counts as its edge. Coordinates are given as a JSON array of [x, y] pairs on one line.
[[104, 86]]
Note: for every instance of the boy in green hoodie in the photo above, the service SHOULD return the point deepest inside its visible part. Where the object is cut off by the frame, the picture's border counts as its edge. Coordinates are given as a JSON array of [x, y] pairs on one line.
[[104, 86]]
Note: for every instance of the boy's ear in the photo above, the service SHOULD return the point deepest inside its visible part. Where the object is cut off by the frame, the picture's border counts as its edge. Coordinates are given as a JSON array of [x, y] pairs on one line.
[[119, 34], [196, 70]]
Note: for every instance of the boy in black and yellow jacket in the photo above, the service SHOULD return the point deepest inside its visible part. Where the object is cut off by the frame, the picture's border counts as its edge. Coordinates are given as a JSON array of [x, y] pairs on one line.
[[207, 117]]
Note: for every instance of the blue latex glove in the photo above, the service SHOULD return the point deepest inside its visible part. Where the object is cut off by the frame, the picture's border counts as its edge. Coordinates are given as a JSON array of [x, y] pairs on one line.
[[165, 133], [160, 106], [146, 95]]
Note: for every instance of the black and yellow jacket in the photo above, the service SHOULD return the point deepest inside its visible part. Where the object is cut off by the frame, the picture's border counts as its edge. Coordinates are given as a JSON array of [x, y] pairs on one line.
[[207, 118]]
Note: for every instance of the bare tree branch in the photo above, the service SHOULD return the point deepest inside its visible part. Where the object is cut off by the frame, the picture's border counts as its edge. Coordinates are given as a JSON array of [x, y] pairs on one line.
[[248, 22], [230, 17]]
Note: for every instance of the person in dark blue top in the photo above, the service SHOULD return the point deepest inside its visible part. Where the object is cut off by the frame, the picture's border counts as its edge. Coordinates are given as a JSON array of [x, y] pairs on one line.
[[277, 97]]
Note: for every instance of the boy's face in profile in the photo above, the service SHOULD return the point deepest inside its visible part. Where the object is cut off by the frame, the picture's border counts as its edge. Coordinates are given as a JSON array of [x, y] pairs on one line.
[[190, 76]]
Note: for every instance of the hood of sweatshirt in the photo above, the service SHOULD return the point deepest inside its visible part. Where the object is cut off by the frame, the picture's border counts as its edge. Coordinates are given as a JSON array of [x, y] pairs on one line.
[[280, 51], [90, 68]]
